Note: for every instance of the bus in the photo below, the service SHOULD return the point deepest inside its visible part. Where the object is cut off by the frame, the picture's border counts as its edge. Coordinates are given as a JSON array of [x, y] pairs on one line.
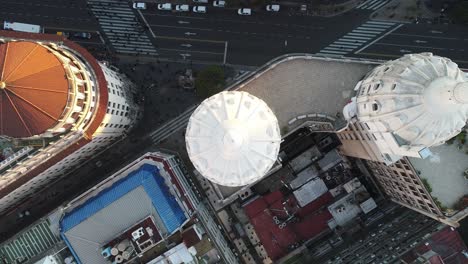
[[23, 27]]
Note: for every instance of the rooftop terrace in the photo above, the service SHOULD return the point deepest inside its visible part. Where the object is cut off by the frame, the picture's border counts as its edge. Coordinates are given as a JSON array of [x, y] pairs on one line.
[[297, 85], [444, 172]]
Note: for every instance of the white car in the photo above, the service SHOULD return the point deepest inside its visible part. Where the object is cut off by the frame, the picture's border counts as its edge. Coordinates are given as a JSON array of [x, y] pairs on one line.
[[182, 8], [219, 3], [200, 1], [199, 9], [244, 11], [139, 5], [273, 8], [165, 6]]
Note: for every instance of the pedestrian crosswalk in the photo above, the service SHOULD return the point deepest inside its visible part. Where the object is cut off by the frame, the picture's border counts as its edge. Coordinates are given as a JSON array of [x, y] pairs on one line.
[[372, 4], [357, 38], [121, 27]]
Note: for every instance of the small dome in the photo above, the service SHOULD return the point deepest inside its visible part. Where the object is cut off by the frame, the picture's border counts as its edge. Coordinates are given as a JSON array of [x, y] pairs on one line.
[[422, 99], [233, 138]]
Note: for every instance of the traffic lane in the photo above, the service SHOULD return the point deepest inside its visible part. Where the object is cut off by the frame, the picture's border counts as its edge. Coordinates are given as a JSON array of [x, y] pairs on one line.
[[386, 52], [50, 20], [447, 31], [191, 55], [255, 52], [162, 25], [188, 43]]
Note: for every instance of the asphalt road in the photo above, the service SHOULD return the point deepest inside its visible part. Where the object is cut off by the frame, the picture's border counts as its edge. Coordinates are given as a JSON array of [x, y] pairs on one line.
[[222, 36], [445, 40]]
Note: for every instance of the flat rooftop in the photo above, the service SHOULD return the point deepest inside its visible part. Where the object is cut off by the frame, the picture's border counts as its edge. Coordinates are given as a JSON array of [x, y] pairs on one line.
[[444, 172], [298, 85]]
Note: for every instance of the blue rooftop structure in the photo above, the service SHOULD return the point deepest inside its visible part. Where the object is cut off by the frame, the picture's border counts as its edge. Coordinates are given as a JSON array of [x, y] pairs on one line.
[[153, 183]]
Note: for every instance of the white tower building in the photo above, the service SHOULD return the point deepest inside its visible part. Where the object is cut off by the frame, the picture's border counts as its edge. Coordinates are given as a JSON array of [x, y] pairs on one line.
[[233, 138], [411, 104], [54, 91]]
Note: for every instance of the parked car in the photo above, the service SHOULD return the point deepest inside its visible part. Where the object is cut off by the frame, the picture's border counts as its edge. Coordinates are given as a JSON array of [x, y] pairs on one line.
[[199, 9], [82, 35], [273, 8], [62, 33], [219, 3], [244, 11], [200, 1], [182, 8], [165, 6], [139, 5]]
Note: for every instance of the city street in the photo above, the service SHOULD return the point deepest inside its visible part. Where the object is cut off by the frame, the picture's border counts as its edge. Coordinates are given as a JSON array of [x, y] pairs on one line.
[[444, 40], [222, 36]]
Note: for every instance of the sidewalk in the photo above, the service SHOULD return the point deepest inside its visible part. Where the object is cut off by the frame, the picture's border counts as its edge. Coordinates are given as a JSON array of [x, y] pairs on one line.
[[404, 11]]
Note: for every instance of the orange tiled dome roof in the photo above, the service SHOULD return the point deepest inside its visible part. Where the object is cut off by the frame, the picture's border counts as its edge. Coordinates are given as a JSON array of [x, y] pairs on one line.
[[33, 89]]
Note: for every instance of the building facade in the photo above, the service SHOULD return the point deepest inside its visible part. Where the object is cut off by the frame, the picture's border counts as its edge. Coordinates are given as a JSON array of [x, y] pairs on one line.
[[55, 92], [401, 110]]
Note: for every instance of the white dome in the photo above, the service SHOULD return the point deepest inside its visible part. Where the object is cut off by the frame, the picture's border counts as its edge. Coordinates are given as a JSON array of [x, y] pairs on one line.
[[422, 99], [233, 138]]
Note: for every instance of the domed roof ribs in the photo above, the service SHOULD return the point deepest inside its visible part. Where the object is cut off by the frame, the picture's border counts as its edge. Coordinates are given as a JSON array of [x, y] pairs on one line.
[[389, 114], [19, 114], [21, 63], [4, 61], [34, 106], [409, 123]]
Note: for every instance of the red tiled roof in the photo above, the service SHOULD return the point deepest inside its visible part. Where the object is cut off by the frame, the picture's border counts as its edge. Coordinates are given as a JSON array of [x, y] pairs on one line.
[[35, 92], [310, 221]]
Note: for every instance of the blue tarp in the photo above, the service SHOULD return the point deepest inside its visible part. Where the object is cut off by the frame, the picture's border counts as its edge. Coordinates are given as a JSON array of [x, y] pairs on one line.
[[147, 176]]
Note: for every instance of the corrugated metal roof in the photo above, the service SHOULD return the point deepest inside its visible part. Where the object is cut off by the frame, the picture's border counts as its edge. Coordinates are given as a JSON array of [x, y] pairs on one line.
[[148, 177]]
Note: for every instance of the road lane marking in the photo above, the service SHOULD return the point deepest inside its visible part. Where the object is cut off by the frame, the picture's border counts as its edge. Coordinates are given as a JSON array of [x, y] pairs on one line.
[[379, 38], [423, 36], [194, 28], [187, 17], [191, 51], [225, 52], [411, 46], [146, 23], [189, 39]]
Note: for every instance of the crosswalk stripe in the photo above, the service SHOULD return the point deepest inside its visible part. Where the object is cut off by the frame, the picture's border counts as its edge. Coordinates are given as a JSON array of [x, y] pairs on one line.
[[370, 3], [362, 33], [371, 29], [357, 38], [381, 5], [380, 23], [375, 5]]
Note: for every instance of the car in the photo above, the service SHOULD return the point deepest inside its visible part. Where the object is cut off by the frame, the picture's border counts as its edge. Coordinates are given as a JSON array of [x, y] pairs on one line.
[[200, 1], [273, 8], [165, 6], [182, 8], [219, 3], [199, 9], [82, 35], [244, 11], [139, 5]]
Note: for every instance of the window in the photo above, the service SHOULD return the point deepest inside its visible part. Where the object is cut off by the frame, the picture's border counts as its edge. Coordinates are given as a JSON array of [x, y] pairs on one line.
[[375, 107], [113, 104], [112, 112]]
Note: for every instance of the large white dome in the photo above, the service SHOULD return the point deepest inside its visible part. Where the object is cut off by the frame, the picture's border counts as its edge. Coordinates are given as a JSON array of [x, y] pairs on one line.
[[233, 138], [422, 99]]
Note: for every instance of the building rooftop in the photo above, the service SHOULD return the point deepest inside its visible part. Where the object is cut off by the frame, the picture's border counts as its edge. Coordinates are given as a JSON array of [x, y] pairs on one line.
[[444, 172], [299, 85], [280, 230], [30, 73], [114, 210], [233, 138]]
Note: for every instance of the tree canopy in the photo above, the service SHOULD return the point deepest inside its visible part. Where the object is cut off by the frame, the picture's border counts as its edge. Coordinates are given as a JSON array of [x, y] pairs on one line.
[[209, 81]]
